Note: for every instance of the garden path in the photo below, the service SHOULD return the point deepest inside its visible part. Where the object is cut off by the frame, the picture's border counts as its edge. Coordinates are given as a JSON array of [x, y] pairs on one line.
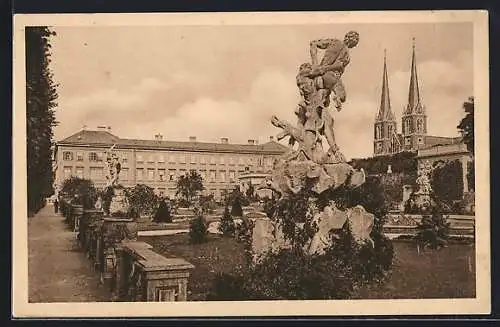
[[58, 271]]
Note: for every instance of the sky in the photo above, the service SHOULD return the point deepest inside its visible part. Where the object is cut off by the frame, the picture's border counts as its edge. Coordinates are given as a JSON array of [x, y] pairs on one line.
[[227, 81]]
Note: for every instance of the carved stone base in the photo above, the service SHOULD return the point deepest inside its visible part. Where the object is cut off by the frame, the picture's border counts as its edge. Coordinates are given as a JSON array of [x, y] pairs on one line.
[[119, 204]]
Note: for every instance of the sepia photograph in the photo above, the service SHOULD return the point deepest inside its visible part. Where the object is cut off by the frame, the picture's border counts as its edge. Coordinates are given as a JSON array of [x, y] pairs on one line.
[[239, 164]]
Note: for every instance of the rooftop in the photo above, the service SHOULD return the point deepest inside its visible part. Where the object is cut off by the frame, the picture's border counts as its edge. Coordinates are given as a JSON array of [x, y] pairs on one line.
[[106, 139]]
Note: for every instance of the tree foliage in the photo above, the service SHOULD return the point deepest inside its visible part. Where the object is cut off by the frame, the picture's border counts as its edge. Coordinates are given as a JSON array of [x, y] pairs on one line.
[[466, 125], [471, 175], [236, 200], [402, 162], [142, 199], [83, 188], [189, 185], [41, 96], [447, 181]]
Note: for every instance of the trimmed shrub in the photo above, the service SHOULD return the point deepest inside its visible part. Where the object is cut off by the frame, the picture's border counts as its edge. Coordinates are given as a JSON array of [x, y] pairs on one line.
[[433, 230], [227, 226], [198, 232], [163, 213]]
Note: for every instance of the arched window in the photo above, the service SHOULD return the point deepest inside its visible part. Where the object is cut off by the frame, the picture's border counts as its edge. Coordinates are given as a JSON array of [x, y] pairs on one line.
[[408, 125]]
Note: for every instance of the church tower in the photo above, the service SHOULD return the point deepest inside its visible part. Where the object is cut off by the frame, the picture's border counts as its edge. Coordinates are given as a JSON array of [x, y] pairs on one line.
[[414, 119], [386, 140]]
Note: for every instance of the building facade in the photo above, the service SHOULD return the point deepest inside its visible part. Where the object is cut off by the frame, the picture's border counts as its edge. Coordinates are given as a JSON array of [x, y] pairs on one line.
[[413, 136], [158, 163]]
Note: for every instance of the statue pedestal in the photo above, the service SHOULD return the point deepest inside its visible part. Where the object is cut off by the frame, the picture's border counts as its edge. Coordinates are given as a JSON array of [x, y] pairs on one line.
[[119, 204]]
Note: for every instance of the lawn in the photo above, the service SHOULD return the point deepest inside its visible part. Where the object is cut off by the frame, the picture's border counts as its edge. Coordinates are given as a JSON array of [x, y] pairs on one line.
[[444, 273]]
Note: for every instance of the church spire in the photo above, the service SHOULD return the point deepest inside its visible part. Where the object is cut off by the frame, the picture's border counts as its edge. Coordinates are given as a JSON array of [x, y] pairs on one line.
[[385, 112], [413, 92]]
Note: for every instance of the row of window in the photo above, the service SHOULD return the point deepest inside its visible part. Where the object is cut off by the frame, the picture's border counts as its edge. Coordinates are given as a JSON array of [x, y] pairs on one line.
[[98, 156], [151, 174]]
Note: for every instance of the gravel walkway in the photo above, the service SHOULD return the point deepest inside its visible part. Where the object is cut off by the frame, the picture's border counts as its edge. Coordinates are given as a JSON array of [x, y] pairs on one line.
[[58, 271]]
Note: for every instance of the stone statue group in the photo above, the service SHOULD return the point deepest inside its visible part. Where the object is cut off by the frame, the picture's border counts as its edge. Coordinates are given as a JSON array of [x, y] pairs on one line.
[[320, 85]]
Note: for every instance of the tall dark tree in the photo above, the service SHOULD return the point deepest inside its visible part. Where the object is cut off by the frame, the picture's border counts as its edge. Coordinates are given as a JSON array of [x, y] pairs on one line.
[[466, 126], [41, 96]]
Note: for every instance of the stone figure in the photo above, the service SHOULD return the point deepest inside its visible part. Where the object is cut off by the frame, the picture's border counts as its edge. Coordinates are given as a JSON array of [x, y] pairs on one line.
[[113, 167], [308, 170], [316, 83], [423, 179]]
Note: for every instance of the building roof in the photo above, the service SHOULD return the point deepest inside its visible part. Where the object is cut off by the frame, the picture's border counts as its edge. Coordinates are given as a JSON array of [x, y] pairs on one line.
[[105, 138], [431, 140]]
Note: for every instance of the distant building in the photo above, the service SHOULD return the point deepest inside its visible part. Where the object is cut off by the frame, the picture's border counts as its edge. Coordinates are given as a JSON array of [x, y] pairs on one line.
[[414, 136], [158, 163]]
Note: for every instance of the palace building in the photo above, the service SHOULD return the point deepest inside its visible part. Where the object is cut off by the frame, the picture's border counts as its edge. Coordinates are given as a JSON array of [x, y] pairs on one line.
[[413, 136], [157, 163]]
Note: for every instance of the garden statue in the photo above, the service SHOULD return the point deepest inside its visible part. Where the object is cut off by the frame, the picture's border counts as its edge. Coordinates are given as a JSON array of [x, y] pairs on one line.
[[309, 169], [118, 203], [423, 180]]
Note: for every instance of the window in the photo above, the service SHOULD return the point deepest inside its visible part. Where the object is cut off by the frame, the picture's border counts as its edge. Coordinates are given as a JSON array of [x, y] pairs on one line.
[[390, 130], [100, 156], [193, 159], [161, 158], [171, 158], [124, 174], [407, 141], [171, 174], [212, 176], [250, 161], [231, 162], [182, 159], [212, 160], [79, 172], [140, 158], [67, 172], [182, 172], [151, 158], [222, 175], [231, 175], [67, 155], [203, 174], [202, 160], [140, 174], [161, 174], [93, 156], [269, 161], [124, 158], [79, 156], [96, 173], [242, 161], [221, 160], [151, 174], [420, 126], [408, 128]]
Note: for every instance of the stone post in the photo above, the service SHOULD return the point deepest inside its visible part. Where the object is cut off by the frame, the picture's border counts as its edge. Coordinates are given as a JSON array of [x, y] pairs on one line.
[[157, 279]]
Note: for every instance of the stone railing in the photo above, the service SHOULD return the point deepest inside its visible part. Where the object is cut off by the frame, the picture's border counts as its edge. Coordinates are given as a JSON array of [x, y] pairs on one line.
[[406, 225], [129, 268], [72, 214]]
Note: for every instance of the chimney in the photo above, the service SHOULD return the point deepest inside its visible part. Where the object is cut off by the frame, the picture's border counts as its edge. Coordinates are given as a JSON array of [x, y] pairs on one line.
[[224, 140], [102, 128], [84, 127], [109, 129], [192, 139], [158, 137], [271, 138], [251, 142]]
